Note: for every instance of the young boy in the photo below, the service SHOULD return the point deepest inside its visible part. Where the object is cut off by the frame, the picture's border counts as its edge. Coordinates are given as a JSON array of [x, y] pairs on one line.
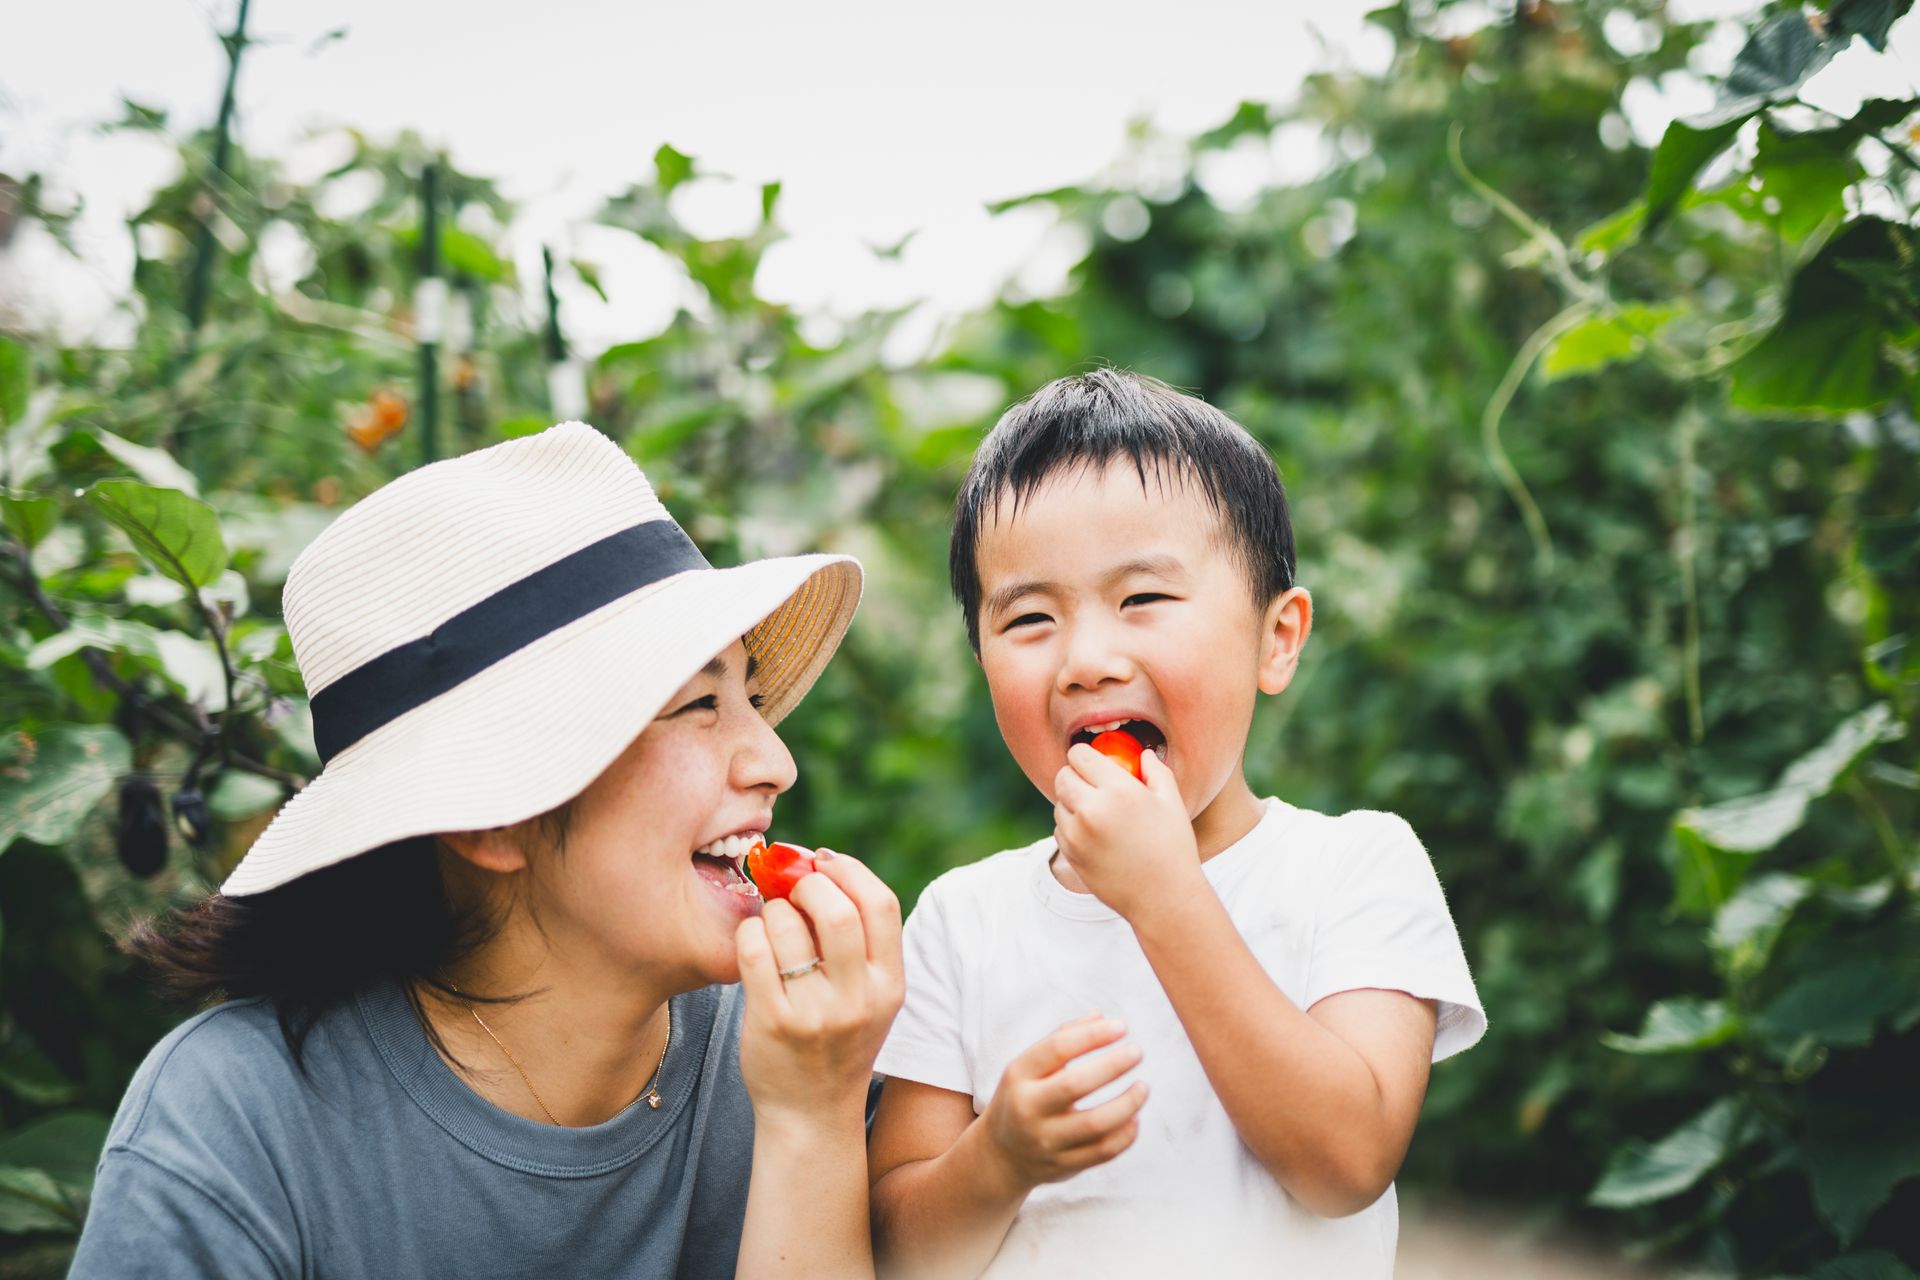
[[1279, 979]]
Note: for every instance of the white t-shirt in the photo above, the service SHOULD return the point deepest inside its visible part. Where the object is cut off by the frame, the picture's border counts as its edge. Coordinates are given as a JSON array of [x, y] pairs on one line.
[[999, 954]]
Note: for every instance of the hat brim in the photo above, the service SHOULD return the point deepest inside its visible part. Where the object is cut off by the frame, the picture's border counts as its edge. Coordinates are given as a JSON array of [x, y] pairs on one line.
[[530, 732]]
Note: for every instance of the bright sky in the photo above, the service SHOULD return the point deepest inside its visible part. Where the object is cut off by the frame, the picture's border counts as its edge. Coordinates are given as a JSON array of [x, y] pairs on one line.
[[880, 119]]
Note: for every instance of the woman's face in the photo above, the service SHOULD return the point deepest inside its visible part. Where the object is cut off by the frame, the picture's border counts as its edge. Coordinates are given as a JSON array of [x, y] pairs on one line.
[[627, 891]]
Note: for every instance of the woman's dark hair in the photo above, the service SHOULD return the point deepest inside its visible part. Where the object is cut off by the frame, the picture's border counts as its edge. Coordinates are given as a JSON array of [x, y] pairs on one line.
[[313, 942], [1090, 420]]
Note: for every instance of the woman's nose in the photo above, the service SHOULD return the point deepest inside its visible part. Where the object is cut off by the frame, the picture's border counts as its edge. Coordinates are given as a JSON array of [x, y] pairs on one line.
[[761, 760]]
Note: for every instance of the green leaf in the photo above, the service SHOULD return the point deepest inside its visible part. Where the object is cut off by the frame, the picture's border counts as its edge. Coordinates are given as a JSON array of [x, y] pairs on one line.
[[30, 1077], [1777, 59], [1807, 174], [1890, 547], [1845, 982], [190, 664], [242, 795], [1642, 1174], [1614, 232], [1755, 823], [672, 168], [469, 255], [1684, 150], [66, 1146], [153, 466], [1603, 340], [178, 535], [1876, 114], [1868, 19], [28, 519], [1876, 1264], [1683, 1025], [16, 380], [31, 1201], [590, 276], [1749, 923], [48, 793], [1858, 1149], [1828, 352], [769, 200]]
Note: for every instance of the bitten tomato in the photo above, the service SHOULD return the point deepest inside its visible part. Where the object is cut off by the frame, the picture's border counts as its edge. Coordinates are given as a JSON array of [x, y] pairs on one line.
[[1122, 748], [775, 868]]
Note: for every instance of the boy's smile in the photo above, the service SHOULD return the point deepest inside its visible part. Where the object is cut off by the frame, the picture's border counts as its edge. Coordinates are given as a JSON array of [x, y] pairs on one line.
[[1105, 602]]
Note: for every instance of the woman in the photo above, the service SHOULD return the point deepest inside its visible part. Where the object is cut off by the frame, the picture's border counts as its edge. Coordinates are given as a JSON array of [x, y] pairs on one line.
[[479, 1016]]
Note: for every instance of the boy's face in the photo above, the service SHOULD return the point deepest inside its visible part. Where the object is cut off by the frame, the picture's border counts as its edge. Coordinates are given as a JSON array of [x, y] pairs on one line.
[[1104, 600]]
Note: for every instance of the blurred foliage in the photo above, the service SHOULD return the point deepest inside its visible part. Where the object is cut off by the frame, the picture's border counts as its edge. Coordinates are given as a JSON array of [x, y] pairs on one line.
[[1604, 469]]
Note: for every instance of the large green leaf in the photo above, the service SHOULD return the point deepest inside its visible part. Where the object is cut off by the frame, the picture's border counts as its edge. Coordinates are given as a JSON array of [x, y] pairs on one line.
[[16, 381], [1829, 352], [1642, 1174], [65, 1145], [1604, 340], [1684, 150], [1777, 59], [151, 466], [1845, 982], [31, 1201], [1752, 824], [178, 534], [1858, 1149], [28, 519], [48, 791], [1868, 19], [1683, 1025], [1807, 174], [1746, 927], [1875, 1264], [671, 168], [189, 663]]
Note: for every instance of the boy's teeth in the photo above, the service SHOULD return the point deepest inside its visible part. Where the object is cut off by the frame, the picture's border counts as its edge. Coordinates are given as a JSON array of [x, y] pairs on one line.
[[729, 847], [1102, 728]]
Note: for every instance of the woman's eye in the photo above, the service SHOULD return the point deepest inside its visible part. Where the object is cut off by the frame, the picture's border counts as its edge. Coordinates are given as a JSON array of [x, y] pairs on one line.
[[709, 703], [759, 701]]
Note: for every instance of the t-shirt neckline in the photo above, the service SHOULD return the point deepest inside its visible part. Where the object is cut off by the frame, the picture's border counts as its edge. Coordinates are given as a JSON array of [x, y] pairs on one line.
[[1219, 869], [514, 1141]]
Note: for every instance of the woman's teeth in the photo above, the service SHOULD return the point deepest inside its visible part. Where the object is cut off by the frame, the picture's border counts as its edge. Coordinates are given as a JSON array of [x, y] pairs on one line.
[[730, 847]]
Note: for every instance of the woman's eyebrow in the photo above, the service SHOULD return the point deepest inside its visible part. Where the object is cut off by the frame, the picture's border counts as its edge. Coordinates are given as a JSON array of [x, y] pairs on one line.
[[718, 667]]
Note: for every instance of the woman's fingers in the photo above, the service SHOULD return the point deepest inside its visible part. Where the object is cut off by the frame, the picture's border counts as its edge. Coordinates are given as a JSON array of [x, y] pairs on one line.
[[787, 934], [879, 908], [836, 927], [759, 971]]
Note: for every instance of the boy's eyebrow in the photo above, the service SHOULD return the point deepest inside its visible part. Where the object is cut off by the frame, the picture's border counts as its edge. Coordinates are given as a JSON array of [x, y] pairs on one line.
[[1163, 566], [1005, 596]]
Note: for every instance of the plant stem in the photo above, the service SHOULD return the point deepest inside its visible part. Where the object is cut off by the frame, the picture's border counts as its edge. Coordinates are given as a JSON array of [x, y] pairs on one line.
[[1689, 584], [1496, 409]]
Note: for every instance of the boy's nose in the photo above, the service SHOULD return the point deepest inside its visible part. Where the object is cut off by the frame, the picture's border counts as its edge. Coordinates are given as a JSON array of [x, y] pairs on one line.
[[1093, 657]]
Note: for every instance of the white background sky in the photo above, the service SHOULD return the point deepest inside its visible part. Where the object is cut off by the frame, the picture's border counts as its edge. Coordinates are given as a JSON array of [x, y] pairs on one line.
[[880, 119]]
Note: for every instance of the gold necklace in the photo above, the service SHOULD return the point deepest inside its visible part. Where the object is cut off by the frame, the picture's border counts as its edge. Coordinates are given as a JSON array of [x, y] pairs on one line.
[[651, 1090]]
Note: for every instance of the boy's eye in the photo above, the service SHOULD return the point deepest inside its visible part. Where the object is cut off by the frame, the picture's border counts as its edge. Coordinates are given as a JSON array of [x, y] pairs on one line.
[[1027, 620], [1144, 597]]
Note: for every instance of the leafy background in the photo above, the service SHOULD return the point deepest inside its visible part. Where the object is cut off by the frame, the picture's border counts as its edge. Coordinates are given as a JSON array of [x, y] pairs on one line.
[[1604, 471]]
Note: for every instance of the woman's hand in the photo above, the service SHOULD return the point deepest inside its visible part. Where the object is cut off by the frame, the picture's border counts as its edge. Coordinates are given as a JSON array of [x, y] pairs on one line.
[[809, 1039]]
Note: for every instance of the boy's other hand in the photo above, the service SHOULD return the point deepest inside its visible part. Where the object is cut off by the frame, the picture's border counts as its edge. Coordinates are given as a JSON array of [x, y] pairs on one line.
[[1131, 844], [1033, 1120]]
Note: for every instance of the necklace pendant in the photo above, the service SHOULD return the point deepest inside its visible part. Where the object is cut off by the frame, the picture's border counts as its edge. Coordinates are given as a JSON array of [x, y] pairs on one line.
[[653, 1101]]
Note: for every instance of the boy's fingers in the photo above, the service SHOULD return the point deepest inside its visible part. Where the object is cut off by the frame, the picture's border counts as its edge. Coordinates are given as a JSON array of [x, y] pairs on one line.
[[1084, 1075], [1069, 789], [1155, 773], [1096, 1123], [1061, 1046]]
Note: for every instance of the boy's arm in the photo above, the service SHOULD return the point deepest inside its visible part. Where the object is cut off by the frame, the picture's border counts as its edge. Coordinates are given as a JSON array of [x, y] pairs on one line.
[[946, 1184], [1327, 1099]]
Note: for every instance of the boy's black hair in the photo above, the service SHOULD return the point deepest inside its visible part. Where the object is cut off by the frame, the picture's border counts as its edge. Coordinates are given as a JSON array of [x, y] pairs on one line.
[[1090, 420]]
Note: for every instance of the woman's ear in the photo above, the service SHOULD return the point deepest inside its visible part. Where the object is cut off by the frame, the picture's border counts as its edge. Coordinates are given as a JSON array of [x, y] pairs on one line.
[[500, 849], [1283, 633]]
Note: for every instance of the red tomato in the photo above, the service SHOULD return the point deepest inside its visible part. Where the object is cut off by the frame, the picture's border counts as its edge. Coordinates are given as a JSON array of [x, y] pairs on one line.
[[775, 868], [1122, 748]]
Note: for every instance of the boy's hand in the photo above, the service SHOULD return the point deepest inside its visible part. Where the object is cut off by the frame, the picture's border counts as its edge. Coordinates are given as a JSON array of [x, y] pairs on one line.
[[1131, 844], [1032, 1122]]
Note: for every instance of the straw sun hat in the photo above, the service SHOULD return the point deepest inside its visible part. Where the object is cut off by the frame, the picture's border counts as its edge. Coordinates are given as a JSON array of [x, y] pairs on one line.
[[483, 636]]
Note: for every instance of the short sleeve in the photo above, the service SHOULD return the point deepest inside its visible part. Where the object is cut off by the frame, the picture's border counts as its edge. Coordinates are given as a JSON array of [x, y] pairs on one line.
[[1384, 924], [925, 1043], [149, 1222]]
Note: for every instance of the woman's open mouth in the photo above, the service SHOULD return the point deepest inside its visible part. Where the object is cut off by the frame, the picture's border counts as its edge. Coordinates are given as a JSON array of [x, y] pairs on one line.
[[1145, 732], [722, 864]]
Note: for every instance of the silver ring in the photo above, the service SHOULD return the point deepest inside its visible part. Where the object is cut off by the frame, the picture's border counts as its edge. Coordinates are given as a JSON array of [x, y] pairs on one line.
[[800, 970]]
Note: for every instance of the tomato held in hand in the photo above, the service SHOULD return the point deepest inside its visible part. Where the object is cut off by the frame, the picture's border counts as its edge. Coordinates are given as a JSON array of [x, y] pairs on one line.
[[775, 868], [1122, 748]]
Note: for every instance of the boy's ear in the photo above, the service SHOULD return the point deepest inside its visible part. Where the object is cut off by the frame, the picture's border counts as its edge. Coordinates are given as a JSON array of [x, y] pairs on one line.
[[1283, 633], [498, 849]]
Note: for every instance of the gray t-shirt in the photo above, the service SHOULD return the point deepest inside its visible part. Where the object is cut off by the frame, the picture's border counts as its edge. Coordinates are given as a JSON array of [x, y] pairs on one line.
[[224, 1161]]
